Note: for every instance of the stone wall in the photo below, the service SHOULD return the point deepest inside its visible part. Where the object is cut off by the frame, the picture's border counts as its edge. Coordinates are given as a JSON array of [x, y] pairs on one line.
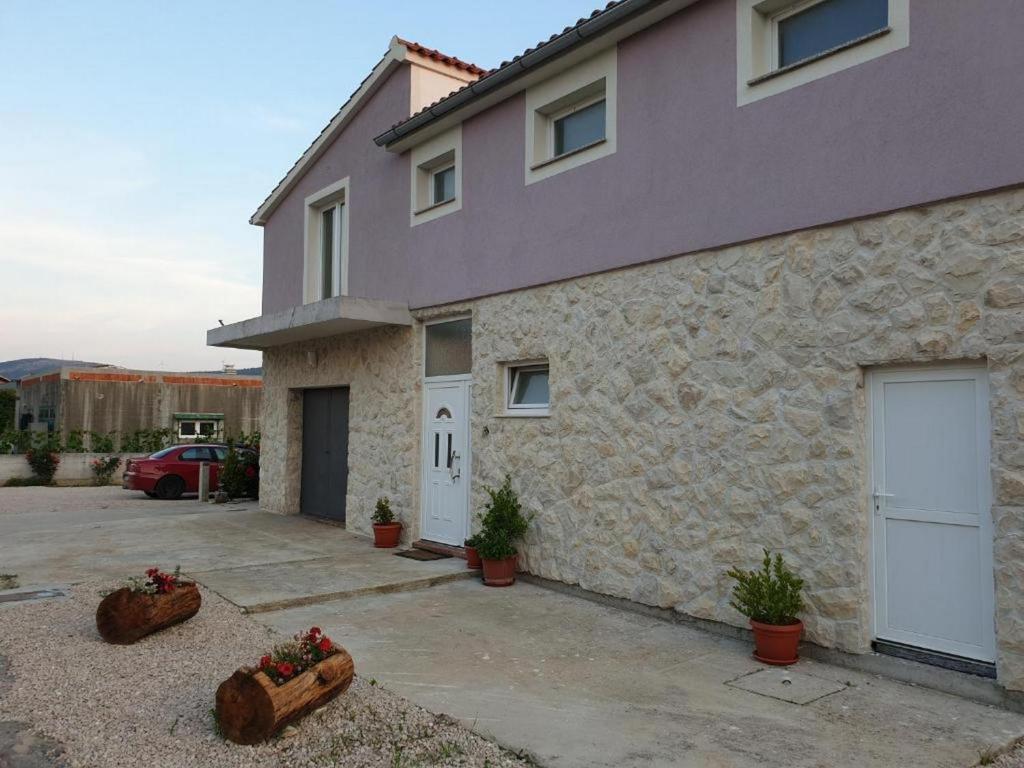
[[379, 367], [704, 407], [709, 405]]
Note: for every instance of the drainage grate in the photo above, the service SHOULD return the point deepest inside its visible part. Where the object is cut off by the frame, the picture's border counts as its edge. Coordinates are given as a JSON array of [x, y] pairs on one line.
[[786, 685]]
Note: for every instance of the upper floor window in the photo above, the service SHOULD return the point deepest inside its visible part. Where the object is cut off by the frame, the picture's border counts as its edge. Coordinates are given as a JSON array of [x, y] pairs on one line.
[[436, 183], [811, 29], [326, 243], [581, 126], [782, 44], [443, 185], [571, 117]]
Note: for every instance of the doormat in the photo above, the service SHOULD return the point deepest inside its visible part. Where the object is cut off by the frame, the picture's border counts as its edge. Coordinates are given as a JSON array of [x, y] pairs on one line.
[[421, 554]]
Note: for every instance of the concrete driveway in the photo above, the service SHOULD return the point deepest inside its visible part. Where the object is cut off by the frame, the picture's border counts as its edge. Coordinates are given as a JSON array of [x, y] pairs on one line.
[[259, 561], [573, 682]]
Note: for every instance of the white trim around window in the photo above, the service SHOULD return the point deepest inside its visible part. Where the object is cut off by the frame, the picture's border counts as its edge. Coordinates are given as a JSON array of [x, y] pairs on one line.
[[433, 157], [517, 400], [584, 85], [325, 242], [758, 74]]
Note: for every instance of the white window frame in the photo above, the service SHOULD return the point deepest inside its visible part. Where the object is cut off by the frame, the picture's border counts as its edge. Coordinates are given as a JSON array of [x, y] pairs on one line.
[[218, 426], [587, 83], [438, 154], [338, 197], [511, 377], [433, 184], [758, 74]]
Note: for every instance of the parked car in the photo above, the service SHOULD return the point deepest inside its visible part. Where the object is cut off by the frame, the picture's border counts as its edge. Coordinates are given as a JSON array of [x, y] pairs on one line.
[[169, 473]]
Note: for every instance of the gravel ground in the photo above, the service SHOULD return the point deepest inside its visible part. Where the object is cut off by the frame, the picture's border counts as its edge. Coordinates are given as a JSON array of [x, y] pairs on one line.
[[1012, 759], [150, 704]]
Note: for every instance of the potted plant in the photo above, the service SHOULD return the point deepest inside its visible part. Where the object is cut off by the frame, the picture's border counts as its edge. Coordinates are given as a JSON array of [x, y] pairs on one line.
[[472, 555], [144, 606], [295, 678], [770, 598], [386, 531], [502, 525]]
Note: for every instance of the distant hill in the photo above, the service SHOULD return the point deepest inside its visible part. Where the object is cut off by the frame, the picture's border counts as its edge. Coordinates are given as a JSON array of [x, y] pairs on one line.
[[29, 366]]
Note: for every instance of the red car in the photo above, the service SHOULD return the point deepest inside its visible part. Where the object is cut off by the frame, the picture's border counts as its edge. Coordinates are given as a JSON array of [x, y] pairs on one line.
[[173, 471]]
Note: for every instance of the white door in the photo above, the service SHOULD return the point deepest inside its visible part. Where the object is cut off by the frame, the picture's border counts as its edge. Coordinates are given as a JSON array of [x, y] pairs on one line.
[[446, 461], [930, 500]]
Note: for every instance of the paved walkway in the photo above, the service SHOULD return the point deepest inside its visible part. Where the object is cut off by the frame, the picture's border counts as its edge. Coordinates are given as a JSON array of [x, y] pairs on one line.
[[582, 684], [256, 560], [573, 682]]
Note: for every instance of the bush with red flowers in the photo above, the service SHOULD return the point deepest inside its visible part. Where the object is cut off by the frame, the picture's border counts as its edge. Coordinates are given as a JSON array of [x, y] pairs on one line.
[[156, 582], [294, 657]]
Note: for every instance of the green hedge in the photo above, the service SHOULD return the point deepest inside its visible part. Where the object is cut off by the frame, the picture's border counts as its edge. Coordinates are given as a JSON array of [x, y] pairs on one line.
[[138, 441]]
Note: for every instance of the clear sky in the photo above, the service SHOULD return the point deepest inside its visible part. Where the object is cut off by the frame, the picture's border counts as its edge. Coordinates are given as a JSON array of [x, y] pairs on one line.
[[137, 137]]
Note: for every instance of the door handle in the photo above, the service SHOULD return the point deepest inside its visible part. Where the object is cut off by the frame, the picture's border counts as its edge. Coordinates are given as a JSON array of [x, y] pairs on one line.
[[878, 494], [454, 472]]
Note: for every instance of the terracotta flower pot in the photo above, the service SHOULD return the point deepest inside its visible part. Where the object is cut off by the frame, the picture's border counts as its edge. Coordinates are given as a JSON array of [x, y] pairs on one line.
[[500, 573], [775, 644], [473, 558], [386, 535]]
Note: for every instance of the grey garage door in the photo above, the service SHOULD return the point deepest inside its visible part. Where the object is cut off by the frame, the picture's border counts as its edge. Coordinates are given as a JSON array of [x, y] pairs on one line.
[[324, 452]]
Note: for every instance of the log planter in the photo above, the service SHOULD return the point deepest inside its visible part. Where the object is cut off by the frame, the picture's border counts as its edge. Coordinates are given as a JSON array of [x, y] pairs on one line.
[[251, 707], [124, 616]]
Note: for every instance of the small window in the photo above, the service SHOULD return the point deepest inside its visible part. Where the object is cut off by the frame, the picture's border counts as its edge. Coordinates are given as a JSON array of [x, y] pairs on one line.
[[331, 222], [571, 117], [187, 428], [582, 127], [444, 185], [806, 31], [325, 270], [449, 348], [443, 414], [527, 389], [207, 428]]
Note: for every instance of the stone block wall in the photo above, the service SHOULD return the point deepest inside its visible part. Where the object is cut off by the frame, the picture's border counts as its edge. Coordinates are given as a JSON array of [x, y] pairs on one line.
[[709, 405], [704, 407], [379, 367]]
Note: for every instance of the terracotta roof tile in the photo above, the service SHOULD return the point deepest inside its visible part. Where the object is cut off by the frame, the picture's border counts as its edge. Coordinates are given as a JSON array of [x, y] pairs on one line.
[[435, 55], [514, 59]]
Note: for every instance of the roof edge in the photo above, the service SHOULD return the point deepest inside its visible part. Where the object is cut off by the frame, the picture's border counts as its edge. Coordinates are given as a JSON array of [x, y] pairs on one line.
[[394, 56], [598, 23]]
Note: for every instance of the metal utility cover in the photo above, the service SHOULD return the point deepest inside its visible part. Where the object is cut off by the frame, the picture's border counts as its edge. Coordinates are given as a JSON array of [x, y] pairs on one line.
[[787, 685]]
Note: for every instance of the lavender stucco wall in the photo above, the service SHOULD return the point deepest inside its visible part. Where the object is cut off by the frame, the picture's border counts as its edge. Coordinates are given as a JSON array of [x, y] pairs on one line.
[[938, 119], [378, 208]]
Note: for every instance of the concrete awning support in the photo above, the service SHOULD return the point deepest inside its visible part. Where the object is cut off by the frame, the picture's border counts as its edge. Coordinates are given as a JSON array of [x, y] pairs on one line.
[[330, 317]]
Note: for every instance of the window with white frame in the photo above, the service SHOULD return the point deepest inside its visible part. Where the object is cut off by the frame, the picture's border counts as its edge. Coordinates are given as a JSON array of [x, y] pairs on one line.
[[571, 117], [194, 429], [326, 264], [436, 183], [782, 44], [527, 389]]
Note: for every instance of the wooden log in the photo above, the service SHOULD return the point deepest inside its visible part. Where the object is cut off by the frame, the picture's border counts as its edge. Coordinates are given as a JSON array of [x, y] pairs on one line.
[[125, 616], [251, 707]]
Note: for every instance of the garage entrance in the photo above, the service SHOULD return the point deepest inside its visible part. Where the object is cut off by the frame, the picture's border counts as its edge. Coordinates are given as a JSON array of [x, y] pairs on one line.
[[324, 453]]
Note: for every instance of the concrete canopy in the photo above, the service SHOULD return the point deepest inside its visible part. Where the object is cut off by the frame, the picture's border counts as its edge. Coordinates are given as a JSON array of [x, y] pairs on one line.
[[329, 317]]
